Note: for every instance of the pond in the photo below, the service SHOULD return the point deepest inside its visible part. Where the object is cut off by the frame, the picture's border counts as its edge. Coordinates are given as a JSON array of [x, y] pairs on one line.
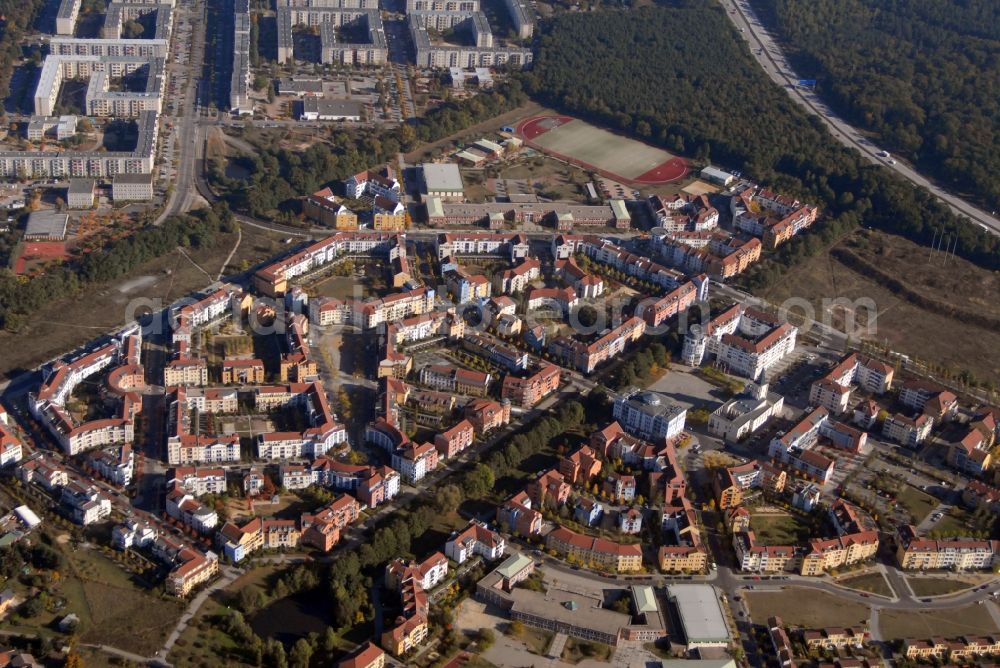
[[235, 170], [294, 617]]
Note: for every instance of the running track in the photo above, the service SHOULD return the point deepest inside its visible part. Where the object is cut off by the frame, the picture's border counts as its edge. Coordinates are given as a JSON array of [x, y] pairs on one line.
[[668, 172]]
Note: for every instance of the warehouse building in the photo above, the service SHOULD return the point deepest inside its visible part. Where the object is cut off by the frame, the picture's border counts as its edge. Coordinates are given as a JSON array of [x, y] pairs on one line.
[[700, 613], [46, 226]]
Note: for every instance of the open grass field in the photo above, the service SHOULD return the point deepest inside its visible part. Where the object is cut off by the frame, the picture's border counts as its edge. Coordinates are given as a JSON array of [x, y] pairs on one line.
[[873, 583], [918, 503], [338, 287], [778, 529], [939, 586], [59, 326], [112, 609], [822, 609], [903, 325], [612, 155], [972, 619]]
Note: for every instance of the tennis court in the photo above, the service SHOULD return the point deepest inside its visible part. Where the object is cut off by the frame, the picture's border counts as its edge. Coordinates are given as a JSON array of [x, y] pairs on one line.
[[613, 155]]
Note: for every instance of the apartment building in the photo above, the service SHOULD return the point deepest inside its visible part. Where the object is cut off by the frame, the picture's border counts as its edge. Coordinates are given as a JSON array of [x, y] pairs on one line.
[[834, 638], [414, 462], [189, 567], [453, 441], [374, 183], [41, 469], [487, 415], [114, 464], [515, 280], [549, 489], [243, 372], [587, 357], [239, 542], [793, 447], [833, 391], [755, 558], [847, 550], [274, 279], [580, 466], [367, 656], [517, 514], [559, 300], [185, 371], [684, 213], [731, 483], [326, 208], [212, 400], [184, 507], [455, 379], [908, 431], [586, 285], [504, 356], [745, 342], [475, 540], [596, 552], [198, 481], [512, 247], [961, 554], [322, 528], [775, 218], [10, 446], [527, 392], [683, 550], [928, 398], [780, 642], [86, 504]]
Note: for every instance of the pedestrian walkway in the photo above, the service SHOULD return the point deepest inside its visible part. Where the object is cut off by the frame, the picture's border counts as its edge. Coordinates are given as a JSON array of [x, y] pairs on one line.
[[557, 646]]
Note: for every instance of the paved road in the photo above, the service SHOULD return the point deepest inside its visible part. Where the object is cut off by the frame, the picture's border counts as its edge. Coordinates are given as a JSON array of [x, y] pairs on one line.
[[187, 140], [772, 59]]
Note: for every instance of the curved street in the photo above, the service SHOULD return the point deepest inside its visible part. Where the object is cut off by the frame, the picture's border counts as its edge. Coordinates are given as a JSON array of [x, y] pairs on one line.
[[770, 57]]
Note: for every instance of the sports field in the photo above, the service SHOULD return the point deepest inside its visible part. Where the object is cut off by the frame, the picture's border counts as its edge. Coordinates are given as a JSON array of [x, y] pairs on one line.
[[612, 155]]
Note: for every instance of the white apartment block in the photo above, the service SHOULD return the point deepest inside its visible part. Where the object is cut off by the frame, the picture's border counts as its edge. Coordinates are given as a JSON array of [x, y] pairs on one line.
[[87, 164], [741, 416], [649, 415], [744, 342], [199, 481], [910, 432]]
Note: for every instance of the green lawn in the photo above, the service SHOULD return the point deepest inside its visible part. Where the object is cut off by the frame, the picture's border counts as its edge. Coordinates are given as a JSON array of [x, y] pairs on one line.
[[917, 503], [873, 583], [952, 524], [780, 529]]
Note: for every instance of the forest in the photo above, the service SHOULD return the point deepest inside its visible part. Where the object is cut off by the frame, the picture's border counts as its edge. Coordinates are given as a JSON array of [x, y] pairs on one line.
[[692, 87], [198, 229], [17, 16], [921, 74], [278, 175]]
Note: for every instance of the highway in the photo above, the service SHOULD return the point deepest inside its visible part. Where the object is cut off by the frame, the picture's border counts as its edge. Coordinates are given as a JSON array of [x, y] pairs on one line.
[[771, 58]]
